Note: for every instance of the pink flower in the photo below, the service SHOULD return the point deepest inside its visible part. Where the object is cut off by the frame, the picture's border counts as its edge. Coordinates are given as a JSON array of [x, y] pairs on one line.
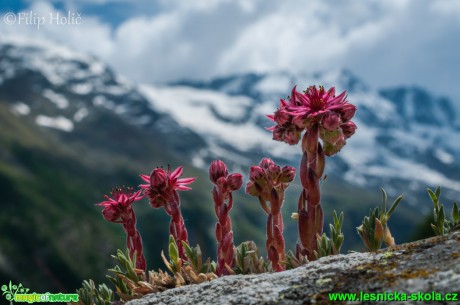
[[162, 184], [319, 107], [118, 209], [162, 190]]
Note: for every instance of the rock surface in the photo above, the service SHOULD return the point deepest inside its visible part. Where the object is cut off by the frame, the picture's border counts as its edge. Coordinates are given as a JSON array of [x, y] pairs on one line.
[[423, 266]]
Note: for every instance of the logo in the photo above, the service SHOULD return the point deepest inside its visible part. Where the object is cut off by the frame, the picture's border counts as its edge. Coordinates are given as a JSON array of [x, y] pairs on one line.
[[18, 293]]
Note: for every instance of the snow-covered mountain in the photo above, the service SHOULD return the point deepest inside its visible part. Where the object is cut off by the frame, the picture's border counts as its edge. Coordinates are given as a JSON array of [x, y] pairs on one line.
[[407, 138], [63, 89]]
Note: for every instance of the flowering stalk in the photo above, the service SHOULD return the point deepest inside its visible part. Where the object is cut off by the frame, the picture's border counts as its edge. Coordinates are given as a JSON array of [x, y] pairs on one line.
[[323, 115], [224, 185], [268, 182], [119, 210], [162, 190]]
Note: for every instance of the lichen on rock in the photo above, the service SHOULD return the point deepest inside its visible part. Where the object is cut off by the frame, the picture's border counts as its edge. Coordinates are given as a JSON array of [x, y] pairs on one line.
[[423, 266]]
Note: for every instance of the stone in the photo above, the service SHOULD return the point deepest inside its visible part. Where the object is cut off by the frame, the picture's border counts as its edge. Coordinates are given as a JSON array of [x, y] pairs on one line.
[[419, 268]]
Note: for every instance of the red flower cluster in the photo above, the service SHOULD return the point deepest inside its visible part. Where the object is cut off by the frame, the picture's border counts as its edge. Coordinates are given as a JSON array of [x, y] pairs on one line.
[[332, 114], [224, 185], [162, 190], [268, 182], [119, 210], [325, 116]]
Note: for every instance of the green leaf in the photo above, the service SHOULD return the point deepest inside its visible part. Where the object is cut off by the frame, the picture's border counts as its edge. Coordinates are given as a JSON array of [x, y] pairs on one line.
[[341, 219], [438, 191], [433, 197], [455, 213], [394, 205], [384, 201], [435, 229], [173, 251], [188, 250]]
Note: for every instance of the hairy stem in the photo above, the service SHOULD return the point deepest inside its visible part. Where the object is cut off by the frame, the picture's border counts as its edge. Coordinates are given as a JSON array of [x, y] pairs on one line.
[[177, 226], [134, 241], [224, 234], [309, 206]]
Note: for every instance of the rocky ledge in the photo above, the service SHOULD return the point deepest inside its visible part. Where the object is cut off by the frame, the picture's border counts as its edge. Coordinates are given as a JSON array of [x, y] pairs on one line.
[[426, 266]]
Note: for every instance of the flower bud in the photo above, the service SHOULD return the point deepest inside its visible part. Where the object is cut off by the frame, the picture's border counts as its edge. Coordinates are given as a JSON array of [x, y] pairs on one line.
[[287, 174], [111, 213], [266, 162], [251, 189], [278, 133], [348, 128], [281, 117], [273, 172], [234, 182], [332, 149], [217, 170], [347, 111], [257, 174], [292, 136], [331, 136], [158, 178], [331, 121]]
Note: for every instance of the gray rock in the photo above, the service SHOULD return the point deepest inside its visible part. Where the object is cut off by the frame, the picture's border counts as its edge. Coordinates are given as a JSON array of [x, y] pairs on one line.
[[423, 266]]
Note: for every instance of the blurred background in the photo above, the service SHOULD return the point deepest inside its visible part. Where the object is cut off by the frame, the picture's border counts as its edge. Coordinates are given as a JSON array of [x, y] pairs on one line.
[[94, 93]]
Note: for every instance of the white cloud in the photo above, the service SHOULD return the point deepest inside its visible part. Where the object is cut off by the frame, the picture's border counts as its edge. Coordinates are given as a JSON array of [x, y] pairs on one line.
[[447, 7], [89, 36], [385, 42]]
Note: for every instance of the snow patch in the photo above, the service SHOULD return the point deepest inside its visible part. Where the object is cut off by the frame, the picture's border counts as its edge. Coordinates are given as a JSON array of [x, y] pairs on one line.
[[275, 83], [82, 89], [20, 108], [444, 156], [115, 90], [59, 100], [80, 114], [60, 122], [190, 108], [143, 120], [59, 64], [102, 101], [97, 68]]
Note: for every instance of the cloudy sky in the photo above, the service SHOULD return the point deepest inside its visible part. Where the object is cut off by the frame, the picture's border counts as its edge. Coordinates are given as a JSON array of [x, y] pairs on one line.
[[386, 43]]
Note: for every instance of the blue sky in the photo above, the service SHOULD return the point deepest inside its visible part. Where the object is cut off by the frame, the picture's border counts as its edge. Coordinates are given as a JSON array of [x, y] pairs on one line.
[[386, 43]]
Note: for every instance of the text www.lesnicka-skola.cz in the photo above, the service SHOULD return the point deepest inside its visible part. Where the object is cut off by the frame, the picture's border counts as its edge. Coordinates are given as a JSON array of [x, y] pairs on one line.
[[394, 296]]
